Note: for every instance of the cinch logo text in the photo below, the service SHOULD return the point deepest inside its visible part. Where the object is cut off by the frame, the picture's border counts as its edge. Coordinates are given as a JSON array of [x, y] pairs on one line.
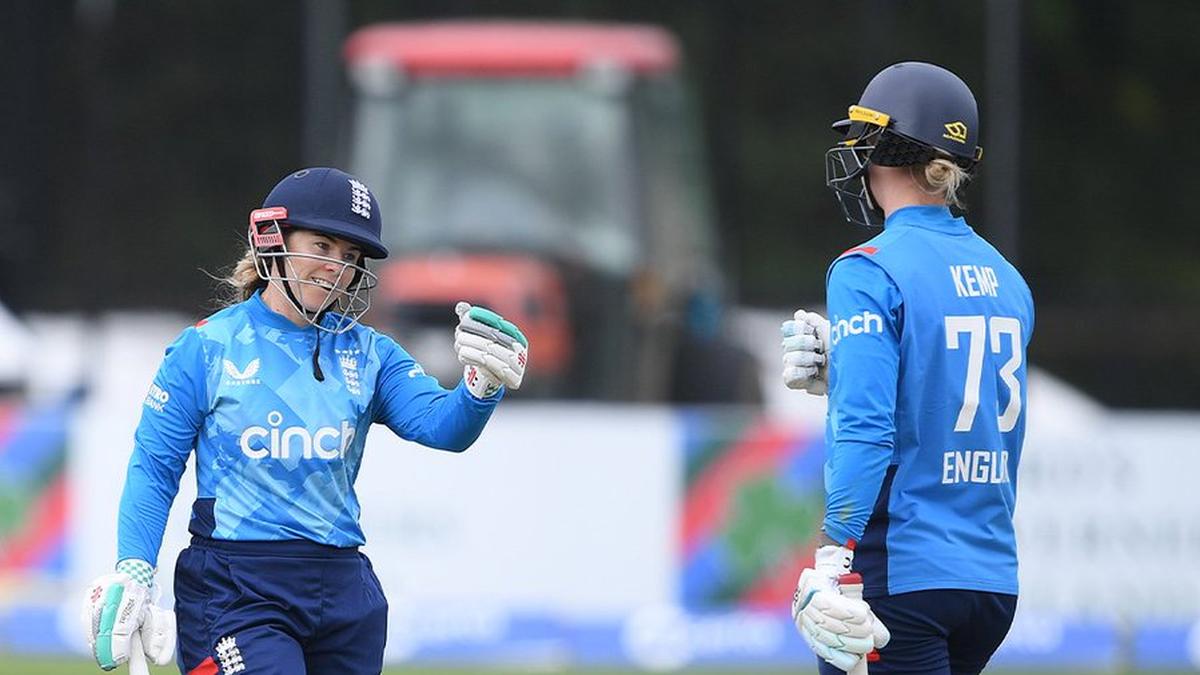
[[326, 443], [867, 322]]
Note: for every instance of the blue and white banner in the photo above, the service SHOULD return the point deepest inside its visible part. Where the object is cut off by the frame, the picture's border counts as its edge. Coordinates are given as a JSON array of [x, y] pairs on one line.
[[577, 534]]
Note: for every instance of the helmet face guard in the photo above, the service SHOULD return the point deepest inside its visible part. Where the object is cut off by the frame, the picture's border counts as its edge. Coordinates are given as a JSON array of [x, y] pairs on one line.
[[846, 167], [274, 263]]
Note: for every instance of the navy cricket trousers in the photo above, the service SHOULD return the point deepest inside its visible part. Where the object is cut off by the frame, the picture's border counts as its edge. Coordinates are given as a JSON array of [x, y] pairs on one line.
[[278, 608], [943, 632]]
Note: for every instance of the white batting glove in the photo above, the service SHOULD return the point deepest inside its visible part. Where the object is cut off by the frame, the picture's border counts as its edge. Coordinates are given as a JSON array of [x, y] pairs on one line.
[[492, 350], [806, 352], [118, 605], [158, 634], [840, 630]]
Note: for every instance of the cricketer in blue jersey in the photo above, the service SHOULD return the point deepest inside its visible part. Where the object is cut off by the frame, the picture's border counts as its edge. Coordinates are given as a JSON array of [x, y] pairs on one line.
[[275, 395], [923, 361]]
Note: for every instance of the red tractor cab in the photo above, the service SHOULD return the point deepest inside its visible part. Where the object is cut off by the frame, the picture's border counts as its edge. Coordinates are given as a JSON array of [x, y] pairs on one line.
[[550, 168]]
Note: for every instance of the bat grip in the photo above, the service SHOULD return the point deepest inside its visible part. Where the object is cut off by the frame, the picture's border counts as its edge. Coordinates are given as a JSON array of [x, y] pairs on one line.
[[851, 586]]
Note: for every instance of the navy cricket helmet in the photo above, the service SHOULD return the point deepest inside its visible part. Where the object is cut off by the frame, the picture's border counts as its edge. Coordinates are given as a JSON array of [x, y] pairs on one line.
[[909, 114], [332, 202]]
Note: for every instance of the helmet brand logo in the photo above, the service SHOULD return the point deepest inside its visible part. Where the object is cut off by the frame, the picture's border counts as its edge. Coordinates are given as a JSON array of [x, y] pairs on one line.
[[270, 213], [956, 131]]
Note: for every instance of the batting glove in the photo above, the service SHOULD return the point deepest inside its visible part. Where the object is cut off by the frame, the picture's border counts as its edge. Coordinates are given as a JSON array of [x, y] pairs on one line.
[[806, 352], [118, 605], [158, 634], [493, 351], [838, 629]]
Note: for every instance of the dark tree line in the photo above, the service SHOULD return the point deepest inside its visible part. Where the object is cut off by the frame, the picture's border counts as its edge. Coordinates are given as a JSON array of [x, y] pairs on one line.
[[136, 137]]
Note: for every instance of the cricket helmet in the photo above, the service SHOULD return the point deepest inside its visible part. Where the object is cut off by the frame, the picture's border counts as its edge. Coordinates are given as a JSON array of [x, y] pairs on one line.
[[331, 202], [909, 114]]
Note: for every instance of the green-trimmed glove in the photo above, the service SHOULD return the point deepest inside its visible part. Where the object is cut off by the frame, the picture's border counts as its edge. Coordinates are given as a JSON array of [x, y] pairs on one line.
[[117, 606], [493, 351]]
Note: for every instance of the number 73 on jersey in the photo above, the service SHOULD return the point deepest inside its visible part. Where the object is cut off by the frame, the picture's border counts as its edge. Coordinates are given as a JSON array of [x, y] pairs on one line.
[[996, 332]]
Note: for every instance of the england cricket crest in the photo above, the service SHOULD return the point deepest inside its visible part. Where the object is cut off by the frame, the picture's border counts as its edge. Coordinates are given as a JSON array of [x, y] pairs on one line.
[[230, 656], [348, 361]]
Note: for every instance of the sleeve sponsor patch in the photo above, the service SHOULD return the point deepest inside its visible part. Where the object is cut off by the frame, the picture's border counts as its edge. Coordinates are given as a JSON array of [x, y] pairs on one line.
[[157, 397], [858, 324]]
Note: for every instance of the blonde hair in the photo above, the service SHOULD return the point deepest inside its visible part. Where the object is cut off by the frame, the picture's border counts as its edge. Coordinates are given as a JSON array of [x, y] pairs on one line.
[[942, 176], [243, 280]]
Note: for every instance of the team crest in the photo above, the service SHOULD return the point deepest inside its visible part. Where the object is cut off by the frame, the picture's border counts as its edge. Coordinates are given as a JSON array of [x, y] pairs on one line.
[[348, 360], [230, 656], [360, 199]]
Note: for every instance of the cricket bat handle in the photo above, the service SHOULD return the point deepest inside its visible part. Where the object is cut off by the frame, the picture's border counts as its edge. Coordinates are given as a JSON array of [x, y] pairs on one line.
[[137, 655], [851, 586]]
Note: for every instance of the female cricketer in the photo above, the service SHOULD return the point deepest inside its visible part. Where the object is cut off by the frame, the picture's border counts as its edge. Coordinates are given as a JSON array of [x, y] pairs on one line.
[[275, 395], [923, 360]]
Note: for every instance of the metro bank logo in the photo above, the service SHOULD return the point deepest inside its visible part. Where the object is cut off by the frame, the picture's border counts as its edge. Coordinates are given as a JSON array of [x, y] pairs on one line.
[[157, 397], [326, 443]]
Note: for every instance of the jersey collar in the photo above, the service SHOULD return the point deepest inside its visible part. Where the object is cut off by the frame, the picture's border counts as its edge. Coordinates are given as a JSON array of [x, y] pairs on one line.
[[263, 313], [936, 218]]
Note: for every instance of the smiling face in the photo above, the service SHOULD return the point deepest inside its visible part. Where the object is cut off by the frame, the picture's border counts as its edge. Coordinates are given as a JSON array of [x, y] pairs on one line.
[[314, 272], [318, 264]]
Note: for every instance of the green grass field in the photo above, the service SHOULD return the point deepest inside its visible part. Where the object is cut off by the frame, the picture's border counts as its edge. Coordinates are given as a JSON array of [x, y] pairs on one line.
[[10, 665]]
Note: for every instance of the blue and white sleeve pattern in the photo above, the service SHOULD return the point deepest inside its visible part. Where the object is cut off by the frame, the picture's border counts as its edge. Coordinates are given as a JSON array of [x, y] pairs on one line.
[[415, 407], [172, 414], [865, 315]]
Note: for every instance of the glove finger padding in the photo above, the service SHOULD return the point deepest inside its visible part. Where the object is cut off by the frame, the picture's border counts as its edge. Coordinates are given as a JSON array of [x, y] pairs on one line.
[[487, 341], [805, 359], [112, 610], [505, 362], [803, 343], [818, 323], [158, 634], [837, 658], [509, 356], [802, 359], [798, 378], [839, 622], [838, 628], [791, 328], [485, 322]]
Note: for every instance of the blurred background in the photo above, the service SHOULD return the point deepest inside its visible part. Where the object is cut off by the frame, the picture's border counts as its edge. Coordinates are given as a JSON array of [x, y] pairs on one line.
[[640, 187]]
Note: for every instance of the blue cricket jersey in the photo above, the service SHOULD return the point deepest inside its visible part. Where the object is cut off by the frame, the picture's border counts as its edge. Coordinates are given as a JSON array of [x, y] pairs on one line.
[[929, 325], [277, 451]]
